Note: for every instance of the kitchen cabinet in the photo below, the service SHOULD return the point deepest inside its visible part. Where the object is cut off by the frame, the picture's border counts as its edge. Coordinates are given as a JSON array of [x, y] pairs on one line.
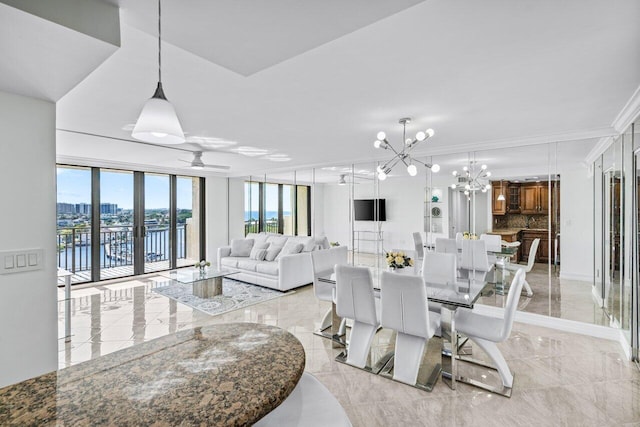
[[498, 207], [534, 198], [513, 198], [528, 236]]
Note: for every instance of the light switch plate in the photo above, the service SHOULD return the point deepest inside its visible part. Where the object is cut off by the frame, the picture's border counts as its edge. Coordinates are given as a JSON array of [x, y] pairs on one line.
[[22, 260]]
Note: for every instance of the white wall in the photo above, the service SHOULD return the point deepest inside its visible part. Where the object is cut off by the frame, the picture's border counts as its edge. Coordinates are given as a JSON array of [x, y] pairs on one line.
[[28, 302], [217, 215], [576, 227], [236, 208]]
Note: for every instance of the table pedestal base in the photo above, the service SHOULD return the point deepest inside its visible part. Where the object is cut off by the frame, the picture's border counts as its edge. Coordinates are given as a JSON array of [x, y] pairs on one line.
[[208, 288]]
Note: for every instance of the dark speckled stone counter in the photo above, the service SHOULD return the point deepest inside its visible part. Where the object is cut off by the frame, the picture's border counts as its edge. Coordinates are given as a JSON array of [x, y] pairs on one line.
[[227, 374]]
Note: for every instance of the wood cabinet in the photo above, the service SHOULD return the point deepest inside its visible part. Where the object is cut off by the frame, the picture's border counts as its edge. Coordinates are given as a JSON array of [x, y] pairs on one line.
[[513, 198], [534, 198], [528, 236], [498, 207]]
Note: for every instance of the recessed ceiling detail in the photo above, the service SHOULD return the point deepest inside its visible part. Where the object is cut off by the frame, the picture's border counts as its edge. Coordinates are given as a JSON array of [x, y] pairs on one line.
[[247, 37]]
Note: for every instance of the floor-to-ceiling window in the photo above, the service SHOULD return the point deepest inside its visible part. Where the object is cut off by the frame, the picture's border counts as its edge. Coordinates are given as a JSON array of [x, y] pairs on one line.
[[277, 208], [74, 219], [148, 222]]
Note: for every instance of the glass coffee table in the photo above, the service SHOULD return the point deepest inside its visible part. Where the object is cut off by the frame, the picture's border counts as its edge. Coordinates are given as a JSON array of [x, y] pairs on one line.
[[206, 283]]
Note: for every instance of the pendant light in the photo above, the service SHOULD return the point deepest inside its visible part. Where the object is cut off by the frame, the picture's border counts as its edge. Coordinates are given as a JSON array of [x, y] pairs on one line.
[[158, 122], [501, 197]]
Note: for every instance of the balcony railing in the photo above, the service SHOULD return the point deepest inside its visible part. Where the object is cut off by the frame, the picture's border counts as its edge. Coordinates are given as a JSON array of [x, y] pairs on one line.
[[116, 246], [252, 226]]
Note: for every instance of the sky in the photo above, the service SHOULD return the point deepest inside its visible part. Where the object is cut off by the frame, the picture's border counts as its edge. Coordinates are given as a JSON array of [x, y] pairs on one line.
[[74, 186]]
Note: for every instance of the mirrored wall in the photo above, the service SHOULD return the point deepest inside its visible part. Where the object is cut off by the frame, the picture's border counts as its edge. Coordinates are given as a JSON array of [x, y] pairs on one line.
[[579, 214]]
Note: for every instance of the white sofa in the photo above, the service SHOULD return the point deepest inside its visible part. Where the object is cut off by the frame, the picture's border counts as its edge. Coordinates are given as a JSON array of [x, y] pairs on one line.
[[286, 272]]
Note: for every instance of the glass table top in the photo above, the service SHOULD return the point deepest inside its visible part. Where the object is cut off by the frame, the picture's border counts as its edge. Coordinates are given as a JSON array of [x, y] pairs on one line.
[[191, 275]]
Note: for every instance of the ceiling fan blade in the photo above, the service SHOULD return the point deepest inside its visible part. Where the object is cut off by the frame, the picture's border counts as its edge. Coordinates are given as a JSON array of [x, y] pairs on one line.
[[217, 166], [186, 161]]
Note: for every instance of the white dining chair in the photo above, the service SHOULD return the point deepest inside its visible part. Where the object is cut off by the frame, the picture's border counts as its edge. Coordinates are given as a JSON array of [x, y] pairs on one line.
[[487, 331], [355, 300], [475, 261], [403, 301], [440, 269], [323, 263], [445, 245], [459, 239], [419, 245], [527, 268], [493, 244]]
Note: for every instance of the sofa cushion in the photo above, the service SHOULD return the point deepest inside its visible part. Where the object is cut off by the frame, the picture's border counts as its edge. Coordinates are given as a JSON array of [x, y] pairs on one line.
[[248, 264], [308, 243], [267, 268], [259, 251], [277, 240], [272, 252], [230, 261], [241, 247], [291, 247], [322, 243], [257, 237]]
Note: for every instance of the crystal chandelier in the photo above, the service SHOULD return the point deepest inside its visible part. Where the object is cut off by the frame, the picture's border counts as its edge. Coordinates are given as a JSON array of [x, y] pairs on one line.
[[470, 181], [403, 154]]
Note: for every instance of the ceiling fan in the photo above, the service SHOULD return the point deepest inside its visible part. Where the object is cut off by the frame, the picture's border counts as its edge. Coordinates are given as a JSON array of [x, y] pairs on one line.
[[197, 162], [352, 179]]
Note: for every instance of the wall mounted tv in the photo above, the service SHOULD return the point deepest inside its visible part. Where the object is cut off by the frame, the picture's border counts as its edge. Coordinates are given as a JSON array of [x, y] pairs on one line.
[[365, 210]]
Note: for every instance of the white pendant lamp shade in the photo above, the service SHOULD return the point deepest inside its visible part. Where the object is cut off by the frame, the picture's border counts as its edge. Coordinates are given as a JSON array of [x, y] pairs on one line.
[[158, 122]]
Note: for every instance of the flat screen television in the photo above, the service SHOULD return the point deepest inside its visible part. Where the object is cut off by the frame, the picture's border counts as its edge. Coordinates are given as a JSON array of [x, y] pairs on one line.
[[364, 210]]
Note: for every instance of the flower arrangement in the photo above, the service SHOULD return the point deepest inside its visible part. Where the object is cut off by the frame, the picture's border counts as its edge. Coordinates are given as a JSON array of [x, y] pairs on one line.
[[469, 236], [398, 260], [202, 264], [334, 244]]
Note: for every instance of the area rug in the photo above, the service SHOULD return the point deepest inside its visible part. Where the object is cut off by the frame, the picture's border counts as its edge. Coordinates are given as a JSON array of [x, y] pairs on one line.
[[235, 295]]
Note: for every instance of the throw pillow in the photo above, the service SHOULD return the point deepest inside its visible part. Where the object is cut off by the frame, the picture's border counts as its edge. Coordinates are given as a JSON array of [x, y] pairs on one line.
[[272, 252], [260, 255], [277, 240], [241, 247], [290, 248], [257, 249], [257, 238]]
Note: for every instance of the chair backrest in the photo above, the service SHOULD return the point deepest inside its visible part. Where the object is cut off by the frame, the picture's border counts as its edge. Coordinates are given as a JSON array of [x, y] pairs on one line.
[[532, 254], [474, 255], [439, 268], [403, 304], [492, 241], [459, 238], [354, 294], [513, 297], [323, 262], [510, 244], [419, 246], [448, 246]]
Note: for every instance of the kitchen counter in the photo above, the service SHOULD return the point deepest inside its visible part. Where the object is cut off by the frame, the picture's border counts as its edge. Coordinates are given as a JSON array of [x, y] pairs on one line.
[[227, 374]]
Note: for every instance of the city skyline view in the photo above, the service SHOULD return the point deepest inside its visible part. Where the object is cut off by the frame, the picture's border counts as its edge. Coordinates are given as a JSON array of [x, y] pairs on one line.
[[74, 186]]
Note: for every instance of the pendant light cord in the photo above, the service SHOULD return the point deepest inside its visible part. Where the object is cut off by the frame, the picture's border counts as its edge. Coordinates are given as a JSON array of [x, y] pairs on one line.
[[159, 42]]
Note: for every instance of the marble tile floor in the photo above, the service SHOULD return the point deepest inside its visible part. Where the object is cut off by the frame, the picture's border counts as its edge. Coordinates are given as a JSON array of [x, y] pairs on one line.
[[560, 378]]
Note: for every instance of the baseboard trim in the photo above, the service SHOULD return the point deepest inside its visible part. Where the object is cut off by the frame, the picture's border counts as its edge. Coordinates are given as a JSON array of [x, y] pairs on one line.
[[565, 325], [579, 277]]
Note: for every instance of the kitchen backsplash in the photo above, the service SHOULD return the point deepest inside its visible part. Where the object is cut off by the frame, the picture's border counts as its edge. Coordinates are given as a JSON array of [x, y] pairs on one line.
[[520, 221]]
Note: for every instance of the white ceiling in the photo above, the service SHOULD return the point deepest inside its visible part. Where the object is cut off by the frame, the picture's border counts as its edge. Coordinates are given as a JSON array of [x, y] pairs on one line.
[[327, 78]]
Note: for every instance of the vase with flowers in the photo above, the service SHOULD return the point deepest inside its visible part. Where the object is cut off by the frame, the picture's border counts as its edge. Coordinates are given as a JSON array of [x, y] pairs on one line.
[[396, 261], [202, 265], [469, 236]]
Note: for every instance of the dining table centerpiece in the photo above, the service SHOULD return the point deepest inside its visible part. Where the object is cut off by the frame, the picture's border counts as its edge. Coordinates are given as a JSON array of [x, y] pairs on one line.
[[469, 236], [397, 261]]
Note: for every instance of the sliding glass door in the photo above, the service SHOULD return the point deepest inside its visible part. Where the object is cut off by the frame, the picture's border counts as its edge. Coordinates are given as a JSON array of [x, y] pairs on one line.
[[147, 222]]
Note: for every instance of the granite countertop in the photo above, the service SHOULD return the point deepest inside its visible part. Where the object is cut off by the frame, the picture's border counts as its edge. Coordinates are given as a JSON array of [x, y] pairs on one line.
[[226, 374]]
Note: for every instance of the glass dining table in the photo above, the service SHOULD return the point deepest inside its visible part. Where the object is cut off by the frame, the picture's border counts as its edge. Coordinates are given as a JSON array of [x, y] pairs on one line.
[[452, 296]]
